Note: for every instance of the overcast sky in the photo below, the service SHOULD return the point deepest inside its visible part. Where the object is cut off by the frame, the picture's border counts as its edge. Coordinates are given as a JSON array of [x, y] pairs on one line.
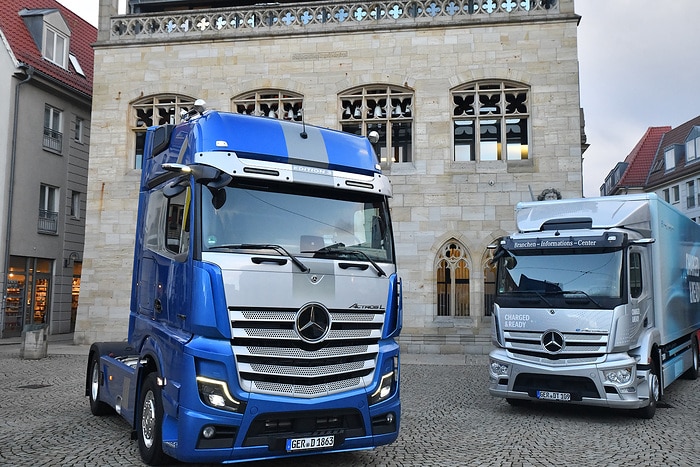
[[638, 62]]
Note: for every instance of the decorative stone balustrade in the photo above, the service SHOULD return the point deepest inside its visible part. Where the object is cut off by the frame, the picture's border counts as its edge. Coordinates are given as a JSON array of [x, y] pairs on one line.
[[318, 17]]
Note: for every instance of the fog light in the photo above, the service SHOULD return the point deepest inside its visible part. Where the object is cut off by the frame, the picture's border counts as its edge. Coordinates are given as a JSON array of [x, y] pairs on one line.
[[208, 432], [618, 375], [390, 418]]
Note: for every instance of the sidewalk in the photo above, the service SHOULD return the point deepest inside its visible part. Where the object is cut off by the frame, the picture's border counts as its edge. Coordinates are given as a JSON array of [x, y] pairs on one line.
[[60, 344]]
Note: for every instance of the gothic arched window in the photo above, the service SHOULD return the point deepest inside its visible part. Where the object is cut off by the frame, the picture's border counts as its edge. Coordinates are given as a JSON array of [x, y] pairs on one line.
[[388, 110], [490, 121], [452, 275], [273, 103], [154, 110]]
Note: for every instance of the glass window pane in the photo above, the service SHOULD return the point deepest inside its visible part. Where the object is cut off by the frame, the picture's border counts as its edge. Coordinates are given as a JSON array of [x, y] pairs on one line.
[[490, 134], [401, 139], [516, 138], [464, 140]]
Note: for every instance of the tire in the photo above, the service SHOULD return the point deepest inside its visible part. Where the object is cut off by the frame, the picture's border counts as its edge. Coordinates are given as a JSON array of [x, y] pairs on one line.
[[97, 407], [654, 394], [149, 422], [692, 372]]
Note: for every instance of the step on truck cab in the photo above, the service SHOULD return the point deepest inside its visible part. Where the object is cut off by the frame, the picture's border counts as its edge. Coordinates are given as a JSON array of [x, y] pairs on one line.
[[597, 303], [265, 297]]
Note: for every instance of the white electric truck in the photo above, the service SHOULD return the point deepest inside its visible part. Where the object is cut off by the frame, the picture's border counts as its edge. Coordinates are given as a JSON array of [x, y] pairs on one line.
[[597, 303]]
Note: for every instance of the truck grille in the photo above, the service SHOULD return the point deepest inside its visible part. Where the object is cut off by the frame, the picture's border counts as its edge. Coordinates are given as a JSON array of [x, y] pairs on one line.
[[272, 358], [575, 348]]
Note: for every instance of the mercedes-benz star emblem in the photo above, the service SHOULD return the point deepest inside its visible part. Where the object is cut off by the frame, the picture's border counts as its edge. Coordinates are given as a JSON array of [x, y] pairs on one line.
[[313, 322], [552, 341]]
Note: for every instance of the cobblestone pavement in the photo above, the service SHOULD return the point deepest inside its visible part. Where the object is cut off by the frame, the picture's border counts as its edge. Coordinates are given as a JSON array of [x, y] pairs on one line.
[[448, 419]]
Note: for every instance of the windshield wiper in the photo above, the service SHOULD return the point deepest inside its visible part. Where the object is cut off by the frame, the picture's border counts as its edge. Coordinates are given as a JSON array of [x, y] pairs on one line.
[[530, 292], [339, 248], [578, 292], [262, 246]]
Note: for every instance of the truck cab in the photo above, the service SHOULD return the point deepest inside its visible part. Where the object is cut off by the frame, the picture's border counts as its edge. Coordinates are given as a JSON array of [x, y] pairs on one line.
[[265, 296]]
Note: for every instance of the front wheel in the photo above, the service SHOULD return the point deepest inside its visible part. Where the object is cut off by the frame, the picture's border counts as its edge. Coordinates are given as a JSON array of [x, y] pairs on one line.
[[97, 407], [149, 426], [654, 394]]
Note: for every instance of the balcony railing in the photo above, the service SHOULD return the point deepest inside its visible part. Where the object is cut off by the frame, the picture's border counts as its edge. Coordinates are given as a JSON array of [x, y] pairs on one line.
[[53, 139], [304, 17], [48, 221]]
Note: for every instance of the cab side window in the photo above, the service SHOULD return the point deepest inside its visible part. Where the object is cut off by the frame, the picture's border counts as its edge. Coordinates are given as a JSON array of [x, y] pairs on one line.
[[167, 229], [635, 275]]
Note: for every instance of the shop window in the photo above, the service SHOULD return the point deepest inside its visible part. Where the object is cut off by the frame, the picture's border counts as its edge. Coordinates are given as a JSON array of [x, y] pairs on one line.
[[272, 103], [490, 121], [154, 110], [27, 294], [388, 110], [452, 280]]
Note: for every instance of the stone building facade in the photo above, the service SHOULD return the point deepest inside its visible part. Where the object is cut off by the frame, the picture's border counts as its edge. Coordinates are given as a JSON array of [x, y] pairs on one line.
[[477, 104]]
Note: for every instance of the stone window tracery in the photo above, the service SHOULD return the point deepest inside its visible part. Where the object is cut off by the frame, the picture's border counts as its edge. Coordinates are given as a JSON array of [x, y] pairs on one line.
[[273, 103], [388, 110], [155, 110], [490, 121]]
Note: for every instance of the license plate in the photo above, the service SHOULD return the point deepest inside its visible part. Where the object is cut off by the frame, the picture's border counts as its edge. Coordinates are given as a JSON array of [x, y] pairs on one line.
[[554, 396], [314, 442]]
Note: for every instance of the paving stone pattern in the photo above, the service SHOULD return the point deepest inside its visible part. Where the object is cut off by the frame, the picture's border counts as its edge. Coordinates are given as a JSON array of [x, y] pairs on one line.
[[448, 419]]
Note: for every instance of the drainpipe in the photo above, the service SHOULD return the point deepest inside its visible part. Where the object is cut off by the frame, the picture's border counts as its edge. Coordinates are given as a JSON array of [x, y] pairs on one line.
[[28, 71]]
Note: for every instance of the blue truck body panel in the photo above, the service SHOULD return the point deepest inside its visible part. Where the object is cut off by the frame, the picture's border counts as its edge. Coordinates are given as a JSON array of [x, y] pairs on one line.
[[280, 340]]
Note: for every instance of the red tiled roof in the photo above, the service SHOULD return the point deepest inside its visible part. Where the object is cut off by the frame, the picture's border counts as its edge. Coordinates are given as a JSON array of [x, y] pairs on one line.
[[83, 34], [658, 174], [641, 157]]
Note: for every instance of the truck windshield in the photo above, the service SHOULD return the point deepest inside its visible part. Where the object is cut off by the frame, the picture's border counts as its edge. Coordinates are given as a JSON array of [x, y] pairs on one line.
[[303, 221], [558, 279]]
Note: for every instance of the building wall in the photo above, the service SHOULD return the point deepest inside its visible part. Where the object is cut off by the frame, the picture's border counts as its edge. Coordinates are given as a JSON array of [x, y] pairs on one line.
[[435, 199]]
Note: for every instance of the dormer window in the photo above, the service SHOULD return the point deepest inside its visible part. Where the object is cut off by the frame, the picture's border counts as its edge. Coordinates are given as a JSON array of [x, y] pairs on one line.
[[55, 46], [670, 158], [50, 33]]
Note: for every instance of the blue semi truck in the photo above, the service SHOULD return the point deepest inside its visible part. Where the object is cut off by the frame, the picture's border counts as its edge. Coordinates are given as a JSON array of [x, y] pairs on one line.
[[265, 298], [597, 303]]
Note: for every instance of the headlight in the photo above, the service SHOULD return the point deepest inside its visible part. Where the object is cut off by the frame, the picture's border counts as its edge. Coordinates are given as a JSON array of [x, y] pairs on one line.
[[498, 368], [215, 393], [618, 375], [385, 388]]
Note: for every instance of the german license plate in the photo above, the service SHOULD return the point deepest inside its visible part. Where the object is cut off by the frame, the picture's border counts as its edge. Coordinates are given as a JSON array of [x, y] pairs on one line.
[[554, 396], [314, 442]]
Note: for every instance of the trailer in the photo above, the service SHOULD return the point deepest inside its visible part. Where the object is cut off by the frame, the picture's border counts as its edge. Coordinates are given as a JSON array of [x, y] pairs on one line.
[[265, 296], [597, 303]]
